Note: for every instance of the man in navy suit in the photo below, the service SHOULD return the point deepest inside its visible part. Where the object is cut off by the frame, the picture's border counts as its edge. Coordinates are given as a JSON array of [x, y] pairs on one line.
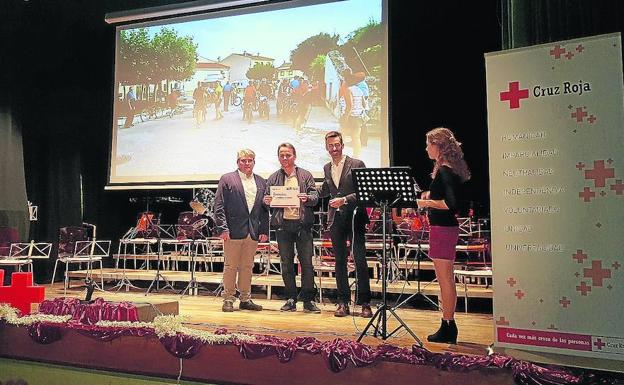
[[241, 221], [338, 185]]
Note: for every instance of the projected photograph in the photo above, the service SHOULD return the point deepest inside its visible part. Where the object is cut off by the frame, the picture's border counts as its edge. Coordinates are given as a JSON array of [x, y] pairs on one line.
[[190, 92]]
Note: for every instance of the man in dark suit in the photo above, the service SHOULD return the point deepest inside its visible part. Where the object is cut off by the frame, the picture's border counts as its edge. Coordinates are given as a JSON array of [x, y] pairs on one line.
[[338, 185], [241, 221]]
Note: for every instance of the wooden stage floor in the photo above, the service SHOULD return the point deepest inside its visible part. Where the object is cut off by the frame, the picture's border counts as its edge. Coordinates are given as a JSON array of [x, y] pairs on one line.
[[476, 331]]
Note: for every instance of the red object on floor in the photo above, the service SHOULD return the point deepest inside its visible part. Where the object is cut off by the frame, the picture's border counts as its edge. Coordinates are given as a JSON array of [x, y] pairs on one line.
[[21, 294]]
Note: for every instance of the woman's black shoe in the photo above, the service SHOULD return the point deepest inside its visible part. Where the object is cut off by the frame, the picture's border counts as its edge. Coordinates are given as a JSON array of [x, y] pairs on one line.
[[447, 334]]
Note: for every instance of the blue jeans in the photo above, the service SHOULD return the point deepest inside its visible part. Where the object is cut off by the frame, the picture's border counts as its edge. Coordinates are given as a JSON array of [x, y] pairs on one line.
[[292, 233]]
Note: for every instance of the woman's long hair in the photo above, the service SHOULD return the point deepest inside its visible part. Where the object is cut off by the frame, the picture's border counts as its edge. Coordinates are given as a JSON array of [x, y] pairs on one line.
[[451, 153]]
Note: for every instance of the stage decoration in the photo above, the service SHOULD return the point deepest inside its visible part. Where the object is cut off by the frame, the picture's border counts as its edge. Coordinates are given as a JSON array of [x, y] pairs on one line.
[[90, 313], [21, 294], [9, 315], [183, 342]]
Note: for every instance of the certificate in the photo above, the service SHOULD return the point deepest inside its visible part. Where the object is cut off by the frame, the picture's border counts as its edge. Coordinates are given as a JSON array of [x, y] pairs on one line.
[[285, 196]]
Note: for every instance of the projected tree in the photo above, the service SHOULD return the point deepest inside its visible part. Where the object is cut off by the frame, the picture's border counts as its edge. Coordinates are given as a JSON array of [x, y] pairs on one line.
[[317, 68], [175, 56], [165, 57], [308, 50], [368, 42], [261, 71]]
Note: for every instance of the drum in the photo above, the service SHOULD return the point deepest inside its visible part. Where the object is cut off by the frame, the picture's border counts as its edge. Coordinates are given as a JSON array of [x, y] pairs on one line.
[[203, 202], [193, 226]]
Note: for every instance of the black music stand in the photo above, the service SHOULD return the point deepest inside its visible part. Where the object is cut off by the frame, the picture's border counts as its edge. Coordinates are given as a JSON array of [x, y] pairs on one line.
[[159, 276], [193, 231], [385, 188]]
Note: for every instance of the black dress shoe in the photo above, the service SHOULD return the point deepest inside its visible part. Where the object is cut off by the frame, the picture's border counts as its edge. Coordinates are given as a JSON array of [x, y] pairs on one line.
[[249, 305], [228, 306], [446, 334], [366, 311], [310, 307], [290, 305], [342, 311]]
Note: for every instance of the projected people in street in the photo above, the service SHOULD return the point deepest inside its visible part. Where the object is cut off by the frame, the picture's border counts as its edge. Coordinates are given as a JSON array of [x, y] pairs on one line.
[[206, 86]]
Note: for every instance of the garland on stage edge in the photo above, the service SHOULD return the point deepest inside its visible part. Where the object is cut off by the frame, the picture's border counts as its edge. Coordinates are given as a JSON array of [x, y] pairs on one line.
[[9, 315], [172, 325], [163, 326]]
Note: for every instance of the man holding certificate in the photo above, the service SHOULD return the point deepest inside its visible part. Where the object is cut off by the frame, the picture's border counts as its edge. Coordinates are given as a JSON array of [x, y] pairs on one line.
[[292, 195]]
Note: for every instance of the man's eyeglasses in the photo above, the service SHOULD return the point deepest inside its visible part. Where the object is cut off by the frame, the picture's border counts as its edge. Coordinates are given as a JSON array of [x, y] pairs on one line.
[[334, 145]]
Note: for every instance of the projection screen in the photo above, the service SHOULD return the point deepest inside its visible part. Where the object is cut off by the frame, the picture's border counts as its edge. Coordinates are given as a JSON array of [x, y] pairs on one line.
[[190, 91]]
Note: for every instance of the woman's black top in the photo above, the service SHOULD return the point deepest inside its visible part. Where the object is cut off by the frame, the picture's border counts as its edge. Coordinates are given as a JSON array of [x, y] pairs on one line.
[[445, 186]]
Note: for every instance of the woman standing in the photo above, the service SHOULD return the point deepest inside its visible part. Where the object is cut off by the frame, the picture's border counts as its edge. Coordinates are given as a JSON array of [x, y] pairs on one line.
[[449, 172]]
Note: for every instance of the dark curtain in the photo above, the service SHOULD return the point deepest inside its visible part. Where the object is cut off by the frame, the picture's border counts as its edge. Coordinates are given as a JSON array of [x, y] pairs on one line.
[[13, 201], [531, 22]]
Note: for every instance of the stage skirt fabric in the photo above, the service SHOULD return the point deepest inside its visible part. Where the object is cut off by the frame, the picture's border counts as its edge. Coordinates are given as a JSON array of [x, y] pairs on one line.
[[442, 242]]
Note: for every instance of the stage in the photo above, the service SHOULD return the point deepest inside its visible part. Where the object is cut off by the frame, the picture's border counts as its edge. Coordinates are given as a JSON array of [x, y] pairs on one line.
[[269, 347]]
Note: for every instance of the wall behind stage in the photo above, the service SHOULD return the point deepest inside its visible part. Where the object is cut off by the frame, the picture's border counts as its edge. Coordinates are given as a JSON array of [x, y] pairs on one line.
[[59, 70]]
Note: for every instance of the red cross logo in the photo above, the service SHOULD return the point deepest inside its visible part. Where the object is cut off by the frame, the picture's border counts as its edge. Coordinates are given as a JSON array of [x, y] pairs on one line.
[[519, 294], [583, 288], [600, 173], [618, 187], [580, 48], [502, 321], [596, 273], [587, 194], [511, 282], [514, 94], [564, 302], [21, 294], [579, 114], [569, 55], [579, 256], [557, 51], [599, 344]]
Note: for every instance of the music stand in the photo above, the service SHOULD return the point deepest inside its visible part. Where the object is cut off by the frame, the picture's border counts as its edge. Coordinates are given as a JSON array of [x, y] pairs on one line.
[[158, 275], [194, 231], [90, 252], [384, 188]]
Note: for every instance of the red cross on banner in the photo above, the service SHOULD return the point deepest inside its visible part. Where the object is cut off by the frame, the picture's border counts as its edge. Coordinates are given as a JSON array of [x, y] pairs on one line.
[[21, 294], [618, 187], [514, 94], [597, 273], [583, 288], [579, 114], [579, 256], [600, 173], [557, 51]]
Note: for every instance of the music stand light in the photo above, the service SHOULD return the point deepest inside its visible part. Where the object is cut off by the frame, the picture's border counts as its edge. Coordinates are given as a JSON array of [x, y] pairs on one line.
[[384, 188]]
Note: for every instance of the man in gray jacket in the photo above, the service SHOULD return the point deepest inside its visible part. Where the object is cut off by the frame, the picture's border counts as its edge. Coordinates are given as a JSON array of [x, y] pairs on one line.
[[241, 221], [294, 227]]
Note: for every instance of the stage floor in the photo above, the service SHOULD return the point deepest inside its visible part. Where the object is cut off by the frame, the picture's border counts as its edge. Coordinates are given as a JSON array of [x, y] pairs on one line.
[[476, 331]]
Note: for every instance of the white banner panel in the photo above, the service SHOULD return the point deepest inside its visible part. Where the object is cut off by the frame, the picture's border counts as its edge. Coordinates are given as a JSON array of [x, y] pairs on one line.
[[556, 146]]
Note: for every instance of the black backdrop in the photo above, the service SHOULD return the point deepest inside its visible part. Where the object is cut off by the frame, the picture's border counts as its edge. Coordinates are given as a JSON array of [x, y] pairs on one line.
[[56, 70]]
